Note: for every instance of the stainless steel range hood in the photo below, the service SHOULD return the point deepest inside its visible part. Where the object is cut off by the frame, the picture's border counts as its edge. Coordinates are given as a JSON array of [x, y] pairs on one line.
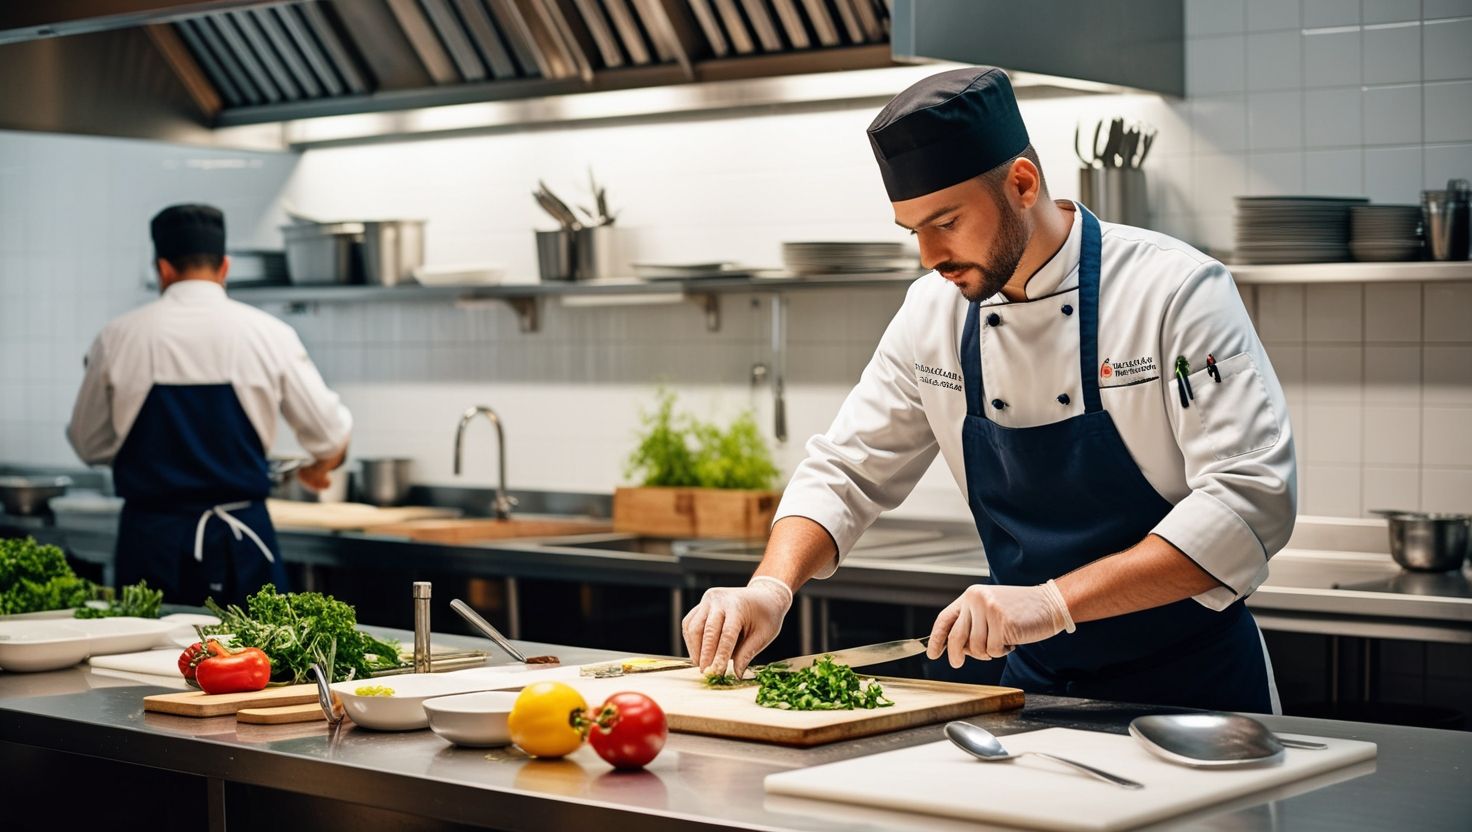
[[355, 70]]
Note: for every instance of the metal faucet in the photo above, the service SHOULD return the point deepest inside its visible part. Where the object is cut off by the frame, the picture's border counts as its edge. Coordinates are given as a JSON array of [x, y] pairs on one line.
[[503, 504]]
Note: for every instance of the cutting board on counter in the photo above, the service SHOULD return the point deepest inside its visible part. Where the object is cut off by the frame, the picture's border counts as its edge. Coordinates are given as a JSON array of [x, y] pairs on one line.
[[201, 704], [941, 779], [692, 708], [342, 517]]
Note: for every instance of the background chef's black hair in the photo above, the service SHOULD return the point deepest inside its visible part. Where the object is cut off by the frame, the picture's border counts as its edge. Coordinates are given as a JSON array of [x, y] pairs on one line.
[[185, 262]]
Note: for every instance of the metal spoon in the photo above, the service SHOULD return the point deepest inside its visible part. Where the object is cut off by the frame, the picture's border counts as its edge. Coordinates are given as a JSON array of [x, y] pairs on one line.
[[1212, 740], [979, 743]]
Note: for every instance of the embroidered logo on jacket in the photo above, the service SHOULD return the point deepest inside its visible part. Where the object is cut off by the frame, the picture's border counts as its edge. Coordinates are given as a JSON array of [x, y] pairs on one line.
[[936, 377], [1135, 369]]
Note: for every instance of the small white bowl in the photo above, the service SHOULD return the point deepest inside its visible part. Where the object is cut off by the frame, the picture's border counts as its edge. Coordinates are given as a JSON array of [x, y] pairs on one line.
[[34, 646], [404, 711], [477, 720]]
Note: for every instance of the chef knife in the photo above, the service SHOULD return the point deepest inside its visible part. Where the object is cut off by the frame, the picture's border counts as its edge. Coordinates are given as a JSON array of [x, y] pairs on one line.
[[861, 656]]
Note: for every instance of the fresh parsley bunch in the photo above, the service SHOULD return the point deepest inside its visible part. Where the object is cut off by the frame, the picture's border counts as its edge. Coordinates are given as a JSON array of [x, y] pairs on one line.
[[825, 686], [299, 628]]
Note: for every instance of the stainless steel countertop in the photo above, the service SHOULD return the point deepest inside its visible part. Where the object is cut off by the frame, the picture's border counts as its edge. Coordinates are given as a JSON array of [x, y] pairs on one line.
[[908, 562], [1418, 782]]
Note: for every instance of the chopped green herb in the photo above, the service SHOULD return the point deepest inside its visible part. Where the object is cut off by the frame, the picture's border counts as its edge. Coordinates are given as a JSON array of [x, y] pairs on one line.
[[825, 686], [726, 681], [374, 690]]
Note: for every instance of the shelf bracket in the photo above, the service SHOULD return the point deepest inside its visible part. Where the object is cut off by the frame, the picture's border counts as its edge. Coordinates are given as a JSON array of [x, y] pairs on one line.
[[527, 313], [710, 303]]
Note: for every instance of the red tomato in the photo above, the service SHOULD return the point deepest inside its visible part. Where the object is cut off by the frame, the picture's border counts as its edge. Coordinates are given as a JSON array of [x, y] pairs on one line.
[[234, 672], [191, 657], [628, 730]]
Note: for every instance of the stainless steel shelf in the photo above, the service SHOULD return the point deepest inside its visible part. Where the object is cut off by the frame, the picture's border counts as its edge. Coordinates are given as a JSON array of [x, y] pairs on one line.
[[1410, 272], [692, 286]]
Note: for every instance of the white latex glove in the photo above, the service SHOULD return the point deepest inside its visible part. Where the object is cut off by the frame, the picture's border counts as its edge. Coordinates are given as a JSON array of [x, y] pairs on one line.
[[989, 620], [733, 624]]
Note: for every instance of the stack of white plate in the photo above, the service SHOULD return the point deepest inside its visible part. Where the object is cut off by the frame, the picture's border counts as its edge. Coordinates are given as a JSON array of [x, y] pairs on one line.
[[1385, 232], [845, 258], [1293, 229]]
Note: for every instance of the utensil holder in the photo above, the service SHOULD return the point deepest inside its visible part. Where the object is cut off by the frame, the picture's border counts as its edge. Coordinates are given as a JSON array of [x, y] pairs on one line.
[[1446, 216], [555, 259], [1115, 194], [598, 253]]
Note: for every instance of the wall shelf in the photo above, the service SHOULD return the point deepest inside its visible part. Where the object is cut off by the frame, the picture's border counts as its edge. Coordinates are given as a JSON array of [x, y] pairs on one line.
[[525, 298], [1407, 272]]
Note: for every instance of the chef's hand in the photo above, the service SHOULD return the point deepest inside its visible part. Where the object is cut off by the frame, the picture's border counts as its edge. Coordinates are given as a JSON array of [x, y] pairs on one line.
[[988, 620], [733, 624], [318, 475]]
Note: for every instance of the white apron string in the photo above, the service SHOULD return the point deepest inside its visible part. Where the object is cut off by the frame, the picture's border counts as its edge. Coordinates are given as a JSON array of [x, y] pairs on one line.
[[236, 526]]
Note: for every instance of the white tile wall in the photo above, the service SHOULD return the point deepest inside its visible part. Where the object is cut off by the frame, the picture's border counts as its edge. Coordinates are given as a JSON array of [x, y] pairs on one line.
[[1369, 97]]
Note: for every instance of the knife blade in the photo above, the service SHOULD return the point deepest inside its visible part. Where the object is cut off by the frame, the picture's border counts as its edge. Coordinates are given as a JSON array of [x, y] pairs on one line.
[[861, 656]]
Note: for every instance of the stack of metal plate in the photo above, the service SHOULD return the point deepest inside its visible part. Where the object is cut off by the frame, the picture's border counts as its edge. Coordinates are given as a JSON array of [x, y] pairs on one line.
[[1385, 232], [845, 258], [1293, 229]]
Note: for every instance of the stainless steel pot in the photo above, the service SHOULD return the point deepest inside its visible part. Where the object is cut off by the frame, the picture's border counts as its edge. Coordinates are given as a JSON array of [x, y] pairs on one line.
[[28, 496], [384, 482], [392, 250], [1429, 542], [324, 253]]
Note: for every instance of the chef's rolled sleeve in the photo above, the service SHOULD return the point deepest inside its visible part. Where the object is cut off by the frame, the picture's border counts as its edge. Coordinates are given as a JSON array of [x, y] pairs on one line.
[[1234, 436], [877, 449], [316, 414]]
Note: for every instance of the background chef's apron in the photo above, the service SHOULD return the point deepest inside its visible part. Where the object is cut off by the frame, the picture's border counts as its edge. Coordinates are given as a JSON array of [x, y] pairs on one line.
[[1050, 499], [194, 479]]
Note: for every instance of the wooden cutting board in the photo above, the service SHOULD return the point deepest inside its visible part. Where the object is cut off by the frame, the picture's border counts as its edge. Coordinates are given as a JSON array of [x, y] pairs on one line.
[[200, 704], [284, 715], [289, 514], [940, 779], [692, 708]]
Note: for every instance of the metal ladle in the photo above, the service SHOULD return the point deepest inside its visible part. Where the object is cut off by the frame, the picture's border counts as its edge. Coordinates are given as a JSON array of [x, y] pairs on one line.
[[1213, 740], [981, 744]]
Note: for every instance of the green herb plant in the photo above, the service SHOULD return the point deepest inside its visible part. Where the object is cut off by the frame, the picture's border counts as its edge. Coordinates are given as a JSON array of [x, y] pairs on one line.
[[299, 628], [35, 577], [137, 600], [825, 686], [678, 450]]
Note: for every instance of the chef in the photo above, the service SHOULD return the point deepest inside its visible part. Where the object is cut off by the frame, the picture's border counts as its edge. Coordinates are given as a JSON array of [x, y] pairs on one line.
[[1100, 397], [181, 397]]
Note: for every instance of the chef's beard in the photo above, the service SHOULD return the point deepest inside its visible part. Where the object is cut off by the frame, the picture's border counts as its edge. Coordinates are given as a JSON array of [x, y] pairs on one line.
[[1007, 250]]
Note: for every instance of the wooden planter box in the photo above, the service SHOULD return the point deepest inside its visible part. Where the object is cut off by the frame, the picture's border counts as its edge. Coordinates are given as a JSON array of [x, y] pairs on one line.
[[694, 512]]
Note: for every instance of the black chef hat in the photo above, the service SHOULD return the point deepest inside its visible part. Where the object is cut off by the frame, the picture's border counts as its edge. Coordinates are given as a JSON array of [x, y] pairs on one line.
[[946, 129], [182, 230]]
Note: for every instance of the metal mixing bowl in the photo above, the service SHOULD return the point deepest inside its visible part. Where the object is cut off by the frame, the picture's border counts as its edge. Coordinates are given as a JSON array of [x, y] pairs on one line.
[[26, 496], [1429, 542]]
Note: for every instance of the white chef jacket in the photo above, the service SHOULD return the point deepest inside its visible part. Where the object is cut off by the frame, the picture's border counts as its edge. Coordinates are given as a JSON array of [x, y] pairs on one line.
[[1226, 463], [194, 334]]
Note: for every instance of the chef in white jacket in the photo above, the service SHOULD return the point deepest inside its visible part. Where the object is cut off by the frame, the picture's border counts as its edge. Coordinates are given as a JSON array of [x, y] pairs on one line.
[[181, 398], [1103, 402]]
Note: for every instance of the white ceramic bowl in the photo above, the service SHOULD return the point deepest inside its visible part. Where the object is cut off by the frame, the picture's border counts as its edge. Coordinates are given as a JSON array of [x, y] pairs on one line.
[[477, 720], [33, 646], [404, 711], [123, 634]]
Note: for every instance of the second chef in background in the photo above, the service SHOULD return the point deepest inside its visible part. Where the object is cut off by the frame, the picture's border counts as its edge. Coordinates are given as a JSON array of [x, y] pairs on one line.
[[1101, 398], [181, 398]]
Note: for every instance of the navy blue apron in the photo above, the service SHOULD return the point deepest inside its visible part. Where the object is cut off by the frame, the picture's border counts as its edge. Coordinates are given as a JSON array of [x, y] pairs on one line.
[[1050, 499], [194, 480]]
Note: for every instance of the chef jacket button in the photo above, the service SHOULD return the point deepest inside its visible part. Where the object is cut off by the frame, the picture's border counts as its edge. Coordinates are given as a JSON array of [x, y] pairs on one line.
[[994, 319], [1063, 398], [1067, 309], [998, 404]]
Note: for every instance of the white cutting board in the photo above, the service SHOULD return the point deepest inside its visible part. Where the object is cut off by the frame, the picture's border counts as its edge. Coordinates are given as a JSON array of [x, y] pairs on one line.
[[941, 779], [163, 662]]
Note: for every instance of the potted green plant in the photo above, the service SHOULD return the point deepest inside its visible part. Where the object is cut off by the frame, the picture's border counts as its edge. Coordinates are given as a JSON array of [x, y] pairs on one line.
[[697, 478]]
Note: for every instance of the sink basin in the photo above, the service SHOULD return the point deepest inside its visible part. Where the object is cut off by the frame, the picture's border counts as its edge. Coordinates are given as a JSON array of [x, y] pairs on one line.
[[471, 530]]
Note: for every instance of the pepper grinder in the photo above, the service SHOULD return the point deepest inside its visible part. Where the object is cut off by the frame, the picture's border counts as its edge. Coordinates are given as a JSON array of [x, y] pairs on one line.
[[421, 626]]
